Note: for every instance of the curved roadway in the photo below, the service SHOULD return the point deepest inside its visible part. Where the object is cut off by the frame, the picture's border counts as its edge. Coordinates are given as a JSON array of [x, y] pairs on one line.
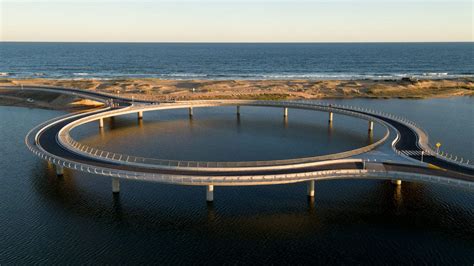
[[409, 141], [44, 140]]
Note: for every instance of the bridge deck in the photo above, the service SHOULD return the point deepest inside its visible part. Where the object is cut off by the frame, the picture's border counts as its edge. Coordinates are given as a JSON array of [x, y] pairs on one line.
[[48, 143]]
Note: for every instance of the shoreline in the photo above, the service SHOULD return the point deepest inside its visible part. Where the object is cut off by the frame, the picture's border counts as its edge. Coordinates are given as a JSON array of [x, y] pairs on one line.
[[159, 89]]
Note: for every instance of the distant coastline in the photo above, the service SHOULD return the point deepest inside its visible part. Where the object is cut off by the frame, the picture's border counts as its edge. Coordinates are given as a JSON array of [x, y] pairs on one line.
[[159, 90]]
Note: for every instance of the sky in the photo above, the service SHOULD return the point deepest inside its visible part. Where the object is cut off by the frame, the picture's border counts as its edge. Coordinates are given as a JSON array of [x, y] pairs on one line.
[[237, 21]]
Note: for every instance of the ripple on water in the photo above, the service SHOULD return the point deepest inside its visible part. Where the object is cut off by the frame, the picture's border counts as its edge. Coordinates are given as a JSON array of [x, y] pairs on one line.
[[76, 219]]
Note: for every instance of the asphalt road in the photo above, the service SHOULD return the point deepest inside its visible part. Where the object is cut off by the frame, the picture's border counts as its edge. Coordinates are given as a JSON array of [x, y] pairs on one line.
[[117, 99], [407, 141], [48, 141]]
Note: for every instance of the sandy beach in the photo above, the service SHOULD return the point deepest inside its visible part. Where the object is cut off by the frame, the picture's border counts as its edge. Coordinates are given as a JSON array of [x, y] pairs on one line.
[[159, 89]]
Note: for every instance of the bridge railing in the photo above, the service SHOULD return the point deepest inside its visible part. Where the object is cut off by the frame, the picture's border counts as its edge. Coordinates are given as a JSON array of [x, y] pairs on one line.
[[240, 180], [426, 146], [33, 146], [228, 180], [74, 91], [161, 163], [125, 159], [193, 179]]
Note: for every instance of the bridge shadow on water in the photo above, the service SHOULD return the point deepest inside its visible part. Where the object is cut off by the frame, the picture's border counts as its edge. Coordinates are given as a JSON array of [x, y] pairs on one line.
[[261, 210], [343, 223], [76, 218], [246, 224]]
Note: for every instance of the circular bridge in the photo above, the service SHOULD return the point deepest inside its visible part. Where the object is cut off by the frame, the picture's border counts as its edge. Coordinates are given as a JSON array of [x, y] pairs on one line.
[[403, 153], [212, 167]]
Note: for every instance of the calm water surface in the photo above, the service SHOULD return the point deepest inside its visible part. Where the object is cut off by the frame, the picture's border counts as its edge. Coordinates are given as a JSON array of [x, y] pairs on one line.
[[76, 219], [217, 134]]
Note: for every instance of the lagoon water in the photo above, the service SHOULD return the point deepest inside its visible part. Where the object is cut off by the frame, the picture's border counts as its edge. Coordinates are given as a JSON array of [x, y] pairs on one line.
[[76, 219], [217, 134]]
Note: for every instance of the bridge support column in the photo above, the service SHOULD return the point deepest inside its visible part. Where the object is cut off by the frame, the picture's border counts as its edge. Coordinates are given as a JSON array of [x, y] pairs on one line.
[[285, 112], [311, 188], [210, 193], [140, 115], [190, 111], [238, 110], [115, 185], [59, 170], [101, 123], [371, 126], [330, 117], [397, 182]]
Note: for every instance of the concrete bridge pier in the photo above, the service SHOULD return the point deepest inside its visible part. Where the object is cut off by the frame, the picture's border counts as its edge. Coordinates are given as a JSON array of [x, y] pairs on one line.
[[397, 182], [59, 170], [285, 112], [311, 188], [101, 123], [371, 126], [331, 115], [115, 185], [190, 111], [210, 193], [238, 110], [140, 115]]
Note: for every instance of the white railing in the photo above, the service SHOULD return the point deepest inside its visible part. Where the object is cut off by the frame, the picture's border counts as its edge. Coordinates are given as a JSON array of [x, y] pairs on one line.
[[350, 110], [228, 180], [425, 145], [67, 141], [246, 179], [422, 135]]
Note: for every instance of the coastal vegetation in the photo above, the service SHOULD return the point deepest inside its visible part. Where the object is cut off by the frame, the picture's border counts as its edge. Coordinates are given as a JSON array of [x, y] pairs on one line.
[[162, 89]]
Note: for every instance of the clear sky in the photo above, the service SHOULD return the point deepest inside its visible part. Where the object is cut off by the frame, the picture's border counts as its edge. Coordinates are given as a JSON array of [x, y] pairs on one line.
[[237, 21]]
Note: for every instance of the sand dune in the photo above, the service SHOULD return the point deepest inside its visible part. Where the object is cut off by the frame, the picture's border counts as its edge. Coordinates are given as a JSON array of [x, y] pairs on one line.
[[158, 89]]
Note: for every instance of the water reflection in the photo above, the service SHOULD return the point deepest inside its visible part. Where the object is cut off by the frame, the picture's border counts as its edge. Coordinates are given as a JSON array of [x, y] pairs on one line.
[[102, 133], [239, 214], [77, 218], [370, 139], [381, 203], [397, 197], [252, 137], [330, 128], [311, 205], [335, 203], [117, 207], [211, 212]]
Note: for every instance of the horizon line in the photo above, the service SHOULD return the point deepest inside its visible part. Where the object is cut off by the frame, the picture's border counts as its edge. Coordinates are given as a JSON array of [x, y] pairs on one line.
[[237, 42]]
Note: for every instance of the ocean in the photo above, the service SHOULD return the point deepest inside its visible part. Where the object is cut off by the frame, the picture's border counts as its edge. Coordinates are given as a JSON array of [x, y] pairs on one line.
[[316, 61]]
